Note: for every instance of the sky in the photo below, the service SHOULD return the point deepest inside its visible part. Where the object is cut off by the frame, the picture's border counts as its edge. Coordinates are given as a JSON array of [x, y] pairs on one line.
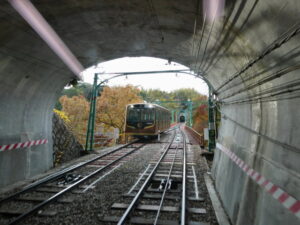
[[162, 81]]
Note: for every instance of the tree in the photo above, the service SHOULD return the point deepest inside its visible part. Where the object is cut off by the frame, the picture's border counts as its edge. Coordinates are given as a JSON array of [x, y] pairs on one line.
[[84, 89], [200, 118], [112, 104], [77, 110], [185, 94]]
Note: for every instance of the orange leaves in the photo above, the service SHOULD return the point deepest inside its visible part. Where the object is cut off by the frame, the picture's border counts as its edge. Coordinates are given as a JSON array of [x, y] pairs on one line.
[[77, 110], [200, 118], [110, 108], [111, 105]]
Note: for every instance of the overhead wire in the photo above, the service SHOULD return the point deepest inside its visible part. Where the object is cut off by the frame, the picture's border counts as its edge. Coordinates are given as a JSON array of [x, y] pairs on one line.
[[284, 59], [272, 47], [286, 88], [206, 45], [195, 27], [200, 42], [264, 80], [214, 59], [274, 141], [226, 20]]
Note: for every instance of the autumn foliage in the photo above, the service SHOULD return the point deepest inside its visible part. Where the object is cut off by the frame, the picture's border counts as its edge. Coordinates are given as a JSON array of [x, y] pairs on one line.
[[77, 110], [200, 118], [112, 103], [110, 109]]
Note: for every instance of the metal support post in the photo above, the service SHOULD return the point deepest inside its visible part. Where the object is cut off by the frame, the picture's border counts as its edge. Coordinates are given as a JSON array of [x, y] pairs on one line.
[[173, 111], [211, 124], [91, 123], [190, 113]]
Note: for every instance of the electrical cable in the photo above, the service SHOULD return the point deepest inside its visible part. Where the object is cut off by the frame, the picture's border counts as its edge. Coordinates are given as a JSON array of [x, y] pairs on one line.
[[215, 59], [264, 80], [274, 46], [200, 41], [284, 145], [284, 60], [280, 89], [205, 48]]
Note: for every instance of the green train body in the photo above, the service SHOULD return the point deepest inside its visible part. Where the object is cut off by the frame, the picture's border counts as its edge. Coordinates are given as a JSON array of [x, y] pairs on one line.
[[144, 120]]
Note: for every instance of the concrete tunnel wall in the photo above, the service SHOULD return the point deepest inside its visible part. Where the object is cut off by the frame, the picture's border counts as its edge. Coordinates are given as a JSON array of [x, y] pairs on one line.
[[263, 132]]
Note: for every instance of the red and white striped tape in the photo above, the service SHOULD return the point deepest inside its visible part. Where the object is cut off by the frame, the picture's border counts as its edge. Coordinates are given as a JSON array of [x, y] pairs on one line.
[[22, 145], [289, 202]]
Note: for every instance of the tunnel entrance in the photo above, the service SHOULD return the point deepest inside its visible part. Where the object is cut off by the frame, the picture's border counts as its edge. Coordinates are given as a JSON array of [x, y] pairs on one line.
[[182, 119]]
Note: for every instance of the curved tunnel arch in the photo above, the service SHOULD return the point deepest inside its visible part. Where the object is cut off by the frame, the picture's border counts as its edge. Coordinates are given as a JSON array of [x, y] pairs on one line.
[[260, 118]]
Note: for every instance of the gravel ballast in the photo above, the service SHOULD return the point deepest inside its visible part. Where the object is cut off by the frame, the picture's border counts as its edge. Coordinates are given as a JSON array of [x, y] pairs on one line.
[[91, 207]]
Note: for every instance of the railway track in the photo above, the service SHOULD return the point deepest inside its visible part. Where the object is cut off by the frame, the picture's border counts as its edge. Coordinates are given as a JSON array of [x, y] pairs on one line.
[[165, 193], [76, 179]]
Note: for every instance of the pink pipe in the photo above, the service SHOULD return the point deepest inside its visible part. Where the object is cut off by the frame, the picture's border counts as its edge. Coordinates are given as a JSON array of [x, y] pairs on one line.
[[213, 8], [27, 10]]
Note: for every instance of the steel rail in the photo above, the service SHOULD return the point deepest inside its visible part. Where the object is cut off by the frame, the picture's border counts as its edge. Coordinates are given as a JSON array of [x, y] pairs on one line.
[[183, 197], [171, 129], [69, 188], [165, 189], [60, 174], [143, 188]]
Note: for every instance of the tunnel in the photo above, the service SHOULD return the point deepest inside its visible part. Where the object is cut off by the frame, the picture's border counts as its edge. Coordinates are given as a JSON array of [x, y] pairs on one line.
[[248, 51], [182, 119]]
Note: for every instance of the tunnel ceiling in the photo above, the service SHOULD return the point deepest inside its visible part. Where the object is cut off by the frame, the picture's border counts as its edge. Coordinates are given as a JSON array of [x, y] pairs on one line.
[[97, 31]]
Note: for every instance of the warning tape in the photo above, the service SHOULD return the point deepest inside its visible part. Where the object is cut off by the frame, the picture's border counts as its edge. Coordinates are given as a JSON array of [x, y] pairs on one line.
[[22, 145], [289, 202]]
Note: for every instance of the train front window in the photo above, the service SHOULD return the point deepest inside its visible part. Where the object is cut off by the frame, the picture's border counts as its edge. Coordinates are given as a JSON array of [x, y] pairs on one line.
[[140, 115], [133, 115], [147, 115]]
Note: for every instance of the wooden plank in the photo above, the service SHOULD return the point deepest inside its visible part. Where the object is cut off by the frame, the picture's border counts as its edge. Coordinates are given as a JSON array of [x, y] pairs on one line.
[[154, 196], [197, 223], [41, 199], [11, 212], [174, 179], [48, 190], [197, 210], [94, 166], [111, 219], [158, 191], [144, 221], [139, 220], [146, 207], [85, 186], [200, 199]]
